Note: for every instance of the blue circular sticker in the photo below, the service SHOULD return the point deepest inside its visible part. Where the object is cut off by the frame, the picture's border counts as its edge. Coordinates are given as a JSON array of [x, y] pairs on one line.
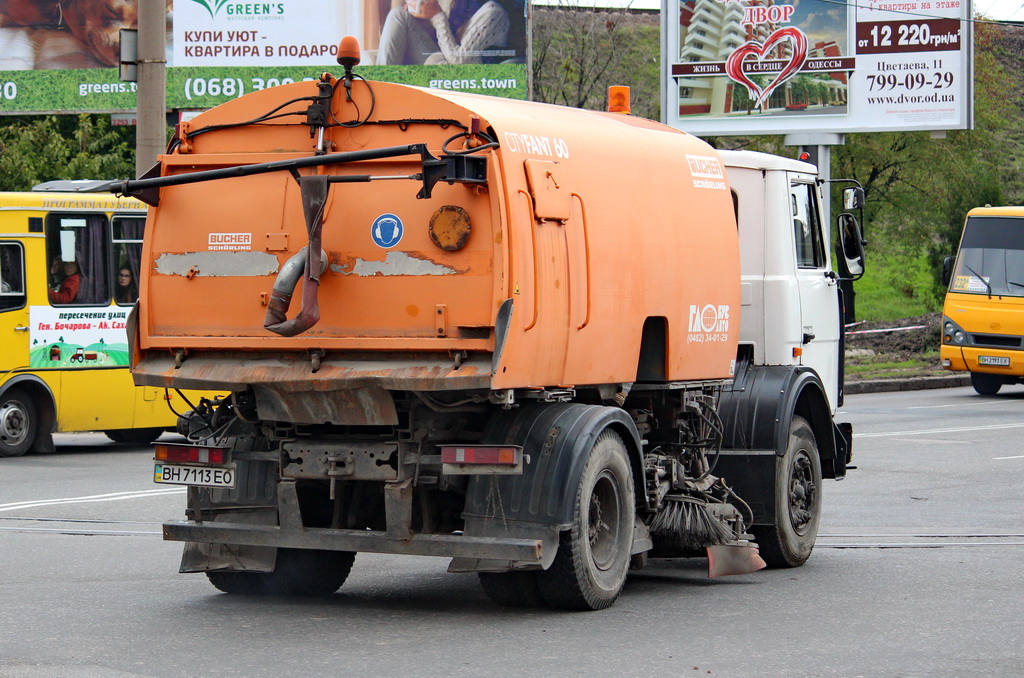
[[387, 230]]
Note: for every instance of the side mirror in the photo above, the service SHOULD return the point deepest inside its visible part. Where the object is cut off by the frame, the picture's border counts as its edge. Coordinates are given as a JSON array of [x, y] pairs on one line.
[[853, 198], [850, 247], [947, 270]]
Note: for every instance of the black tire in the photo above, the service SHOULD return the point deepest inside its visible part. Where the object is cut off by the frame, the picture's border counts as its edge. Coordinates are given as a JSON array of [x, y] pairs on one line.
[[789, 542], [593, 556], [298, 572], [986, 384], [18, 423], [239, 583], [512, 589], [134, 436]]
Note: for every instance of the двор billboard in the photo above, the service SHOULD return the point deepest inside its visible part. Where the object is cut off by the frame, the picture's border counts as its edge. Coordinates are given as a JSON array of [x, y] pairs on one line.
[[62, 57], [761, 67]]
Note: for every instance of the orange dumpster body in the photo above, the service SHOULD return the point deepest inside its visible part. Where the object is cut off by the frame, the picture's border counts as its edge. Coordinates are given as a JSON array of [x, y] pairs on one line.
[[586, 249]]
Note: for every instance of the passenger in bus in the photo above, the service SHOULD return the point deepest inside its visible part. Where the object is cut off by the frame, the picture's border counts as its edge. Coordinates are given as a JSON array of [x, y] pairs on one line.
[[127, 291], [70, 280]]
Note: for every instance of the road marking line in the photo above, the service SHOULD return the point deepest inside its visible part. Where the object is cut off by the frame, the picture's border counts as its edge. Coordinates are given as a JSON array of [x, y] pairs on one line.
[[986, 404], [1019, 456], [943, 534], [962, 429], [916, 545], [88, 533], [114, 496]]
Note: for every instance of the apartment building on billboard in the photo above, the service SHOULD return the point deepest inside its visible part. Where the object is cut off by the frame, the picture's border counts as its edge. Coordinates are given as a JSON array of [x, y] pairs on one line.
[[710, 30]]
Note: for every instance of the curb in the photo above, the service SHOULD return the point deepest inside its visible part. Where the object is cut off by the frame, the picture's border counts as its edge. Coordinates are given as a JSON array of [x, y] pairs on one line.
[[912, 384]]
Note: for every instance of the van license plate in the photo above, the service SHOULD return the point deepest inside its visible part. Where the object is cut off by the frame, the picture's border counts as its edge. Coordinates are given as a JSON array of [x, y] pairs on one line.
[[182, 474], [994, 360]]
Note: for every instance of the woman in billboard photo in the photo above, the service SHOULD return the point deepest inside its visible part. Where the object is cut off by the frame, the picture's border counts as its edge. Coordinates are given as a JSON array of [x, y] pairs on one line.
[[444, 32], [43, 34]]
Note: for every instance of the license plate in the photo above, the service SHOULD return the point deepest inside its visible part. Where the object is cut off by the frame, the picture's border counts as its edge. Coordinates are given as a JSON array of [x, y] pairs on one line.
[[184, 474], [994, 360]]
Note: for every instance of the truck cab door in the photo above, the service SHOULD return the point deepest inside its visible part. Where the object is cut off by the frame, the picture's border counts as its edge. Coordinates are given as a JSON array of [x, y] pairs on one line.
[[817, 284]]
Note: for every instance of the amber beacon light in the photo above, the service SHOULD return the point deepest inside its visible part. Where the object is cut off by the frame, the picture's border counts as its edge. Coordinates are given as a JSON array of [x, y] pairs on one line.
[[618, 99], [348, 51]]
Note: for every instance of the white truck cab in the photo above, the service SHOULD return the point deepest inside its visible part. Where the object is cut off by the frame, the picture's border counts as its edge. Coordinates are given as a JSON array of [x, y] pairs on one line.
[[779, 412], [790, 305]]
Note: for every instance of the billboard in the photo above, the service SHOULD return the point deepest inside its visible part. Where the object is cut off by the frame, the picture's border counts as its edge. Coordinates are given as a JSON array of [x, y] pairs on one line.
[[741, 67], [63, 57]]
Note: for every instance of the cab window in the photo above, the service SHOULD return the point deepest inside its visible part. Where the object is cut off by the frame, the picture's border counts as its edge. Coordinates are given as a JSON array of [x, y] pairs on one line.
[[77, 252], [810, 250], [12, 276]]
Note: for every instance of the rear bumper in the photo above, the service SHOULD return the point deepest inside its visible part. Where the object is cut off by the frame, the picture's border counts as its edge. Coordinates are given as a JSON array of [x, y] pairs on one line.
[[297, 373], [525, 551]]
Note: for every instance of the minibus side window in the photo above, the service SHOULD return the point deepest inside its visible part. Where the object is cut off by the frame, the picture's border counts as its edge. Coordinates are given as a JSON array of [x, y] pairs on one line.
[[12, 276], [127, 258], [77, 249]]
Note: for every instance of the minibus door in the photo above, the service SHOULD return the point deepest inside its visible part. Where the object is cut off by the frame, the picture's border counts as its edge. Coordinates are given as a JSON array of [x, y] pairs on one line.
[[14, 319]]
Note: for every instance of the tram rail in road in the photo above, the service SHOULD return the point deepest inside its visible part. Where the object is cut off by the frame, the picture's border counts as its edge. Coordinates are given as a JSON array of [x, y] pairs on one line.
[[845, 540]]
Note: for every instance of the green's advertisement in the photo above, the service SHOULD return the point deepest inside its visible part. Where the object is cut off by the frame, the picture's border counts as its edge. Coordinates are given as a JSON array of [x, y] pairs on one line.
[[63, 57]]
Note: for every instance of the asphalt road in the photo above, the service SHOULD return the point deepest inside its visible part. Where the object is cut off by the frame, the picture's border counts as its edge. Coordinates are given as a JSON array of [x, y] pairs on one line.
[[917, 573]]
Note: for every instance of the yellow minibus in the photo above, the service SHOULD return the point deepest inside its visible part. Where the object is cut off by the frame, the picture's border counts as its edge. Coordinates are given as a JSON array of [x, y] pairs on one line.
[[69, 271], [983, 315]]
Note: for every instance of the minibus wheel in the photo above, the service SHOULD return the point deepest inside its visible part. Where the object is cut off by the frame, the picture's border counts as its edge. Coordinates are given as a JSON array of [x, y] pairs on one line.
[[986, 384], [17, 423]]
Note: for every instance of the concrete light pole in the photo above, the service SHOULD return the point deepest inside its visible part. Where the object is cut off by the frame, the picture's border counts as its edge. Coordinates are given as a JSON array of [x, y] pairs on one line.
[[151, 125]]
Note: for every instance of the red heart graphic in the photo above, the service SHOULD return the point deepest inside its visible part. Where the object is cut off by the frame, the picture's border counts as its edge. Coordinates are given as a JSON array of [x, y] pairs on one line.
[[734, 64]]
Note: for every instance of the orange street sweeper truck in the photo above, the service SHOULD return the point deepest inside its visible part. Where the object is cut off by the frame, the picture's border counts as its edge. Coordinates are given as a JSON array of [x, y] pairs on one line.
[[514, 335]]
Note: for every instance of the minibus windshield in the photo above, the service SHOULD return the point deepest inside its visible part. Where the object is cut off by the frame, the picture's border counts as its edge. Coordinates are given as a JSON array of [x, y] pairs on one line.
[[991, 258]]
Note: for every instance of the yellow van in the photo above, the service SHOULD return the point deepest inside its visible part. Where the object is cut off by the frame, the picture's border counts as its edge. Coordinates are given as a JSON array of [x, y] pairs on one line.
[[69, 266], [983, 316]]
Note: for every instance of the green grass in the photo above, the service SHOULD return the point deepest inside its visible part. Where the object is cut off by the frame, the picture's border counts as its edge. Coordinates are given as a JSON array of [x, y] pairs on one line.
[[896, 286], [927, 364]]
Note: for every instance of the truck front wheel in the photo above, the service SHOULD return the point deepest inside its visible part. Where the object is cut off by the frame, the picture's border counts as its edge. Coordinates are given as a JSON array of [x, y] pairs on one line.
[[298, 572], [788, 543], [134, 436], [593, 556]]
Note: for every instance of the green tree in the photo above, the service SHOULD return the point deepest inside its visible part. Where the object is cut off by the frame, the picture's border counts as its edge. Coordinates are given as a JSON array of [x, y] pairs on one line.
[[579, 51], [38, 149]]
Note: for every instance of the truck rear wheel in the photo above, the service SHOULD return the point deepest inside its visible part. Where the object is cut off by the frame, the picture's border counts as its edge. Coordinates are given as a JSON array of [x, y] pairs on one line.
[[512, 589], [17, 423], [590, 567], [789, 542], [298, 572], [986, 384]]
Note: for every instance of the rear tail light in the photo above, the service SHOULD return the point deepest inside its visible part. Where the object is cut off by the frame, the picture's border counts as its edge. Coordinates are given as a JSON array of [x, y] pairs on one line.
[[481, 454], [481, 459], [191, 454]]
